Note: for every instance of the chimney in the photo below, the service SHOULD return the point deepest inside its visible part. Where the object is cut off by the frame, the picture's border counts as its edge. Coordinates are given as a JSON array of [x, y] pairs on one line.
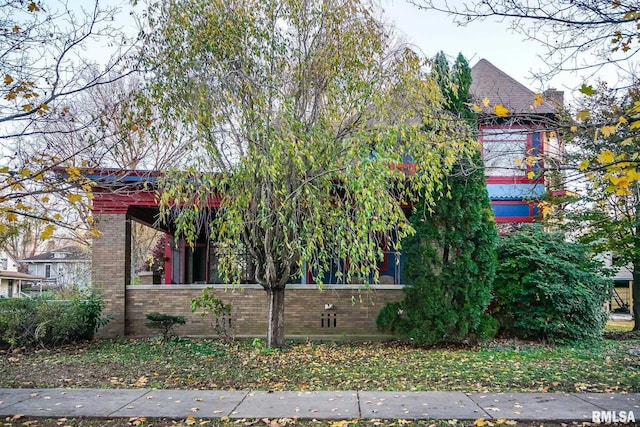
[[554, 97]]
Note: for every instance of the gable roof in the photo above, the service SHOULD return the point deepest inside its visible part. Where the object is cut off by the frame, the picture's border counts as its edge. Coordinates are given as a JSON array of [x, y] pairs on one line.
[[500, 88], [66, 254], [4, 253]]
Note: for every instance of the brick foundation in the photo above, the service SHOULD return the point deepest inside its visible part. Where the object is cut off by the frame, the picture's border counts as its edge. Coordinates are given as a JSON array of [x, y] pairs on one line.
[[353, 311]]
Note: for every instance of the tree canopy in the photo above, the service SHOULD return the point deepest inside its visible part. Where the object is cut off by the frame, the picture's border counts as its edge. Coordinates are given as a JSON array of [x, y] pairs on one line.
[[300, 114], [45, 67], [575, 34], [450, 265], [604, 147]]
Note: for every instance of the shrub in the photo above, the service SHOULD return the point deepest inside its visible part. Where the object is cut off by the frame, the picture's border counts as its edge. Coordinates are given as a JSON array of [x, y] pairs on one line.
[[548, 288], [220, 313], [30, 323], [164, 322]]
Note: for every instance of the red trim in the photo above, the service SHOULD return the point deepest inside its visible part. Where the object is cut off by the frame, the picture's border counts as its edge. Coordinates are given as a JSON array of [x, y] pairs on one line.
[[111, 202], [385, 256], [407, 168], [513, 180], [501, 219], [167, 260], [520, 178], [118, 201], [512, 202]]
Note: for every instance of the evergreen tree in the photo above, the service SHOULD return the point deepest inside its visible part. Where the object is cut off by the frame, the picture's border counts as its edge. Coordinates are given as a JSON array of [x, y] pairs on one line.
[[451, 258]]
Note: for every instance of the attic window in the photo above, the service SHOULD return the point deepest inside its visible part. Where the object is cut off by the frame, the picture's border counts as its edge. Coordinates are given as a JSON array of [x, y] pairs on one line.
[[59, 255]]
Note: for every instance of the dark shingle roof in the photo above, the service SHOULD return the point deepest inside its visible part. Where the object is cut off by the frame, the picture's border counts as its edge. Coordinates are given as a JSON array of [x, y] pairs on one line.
[[499, 88], [69, 253]]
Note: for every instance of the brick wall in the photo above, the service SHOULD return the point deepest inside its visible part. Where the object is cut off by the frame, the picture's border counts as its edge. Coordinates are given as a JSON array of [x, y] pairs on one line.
[[111, 259], [353, 312]]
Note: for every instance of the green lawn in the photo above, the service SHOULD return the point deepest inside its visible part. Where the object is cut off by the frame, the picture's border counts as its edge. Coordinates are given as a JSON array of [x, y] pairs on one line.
[[501, 366]]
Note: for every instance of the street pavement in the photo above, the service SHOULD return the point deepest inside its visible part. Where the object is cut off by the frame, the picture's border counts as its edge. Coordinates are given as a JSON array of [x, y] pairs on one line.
[[320, 405]]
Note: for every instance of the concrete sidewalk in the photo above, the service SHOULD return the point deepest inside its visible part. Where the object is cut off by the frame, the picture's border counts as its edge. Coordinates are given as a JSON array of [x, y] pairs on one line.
[[321, 405]]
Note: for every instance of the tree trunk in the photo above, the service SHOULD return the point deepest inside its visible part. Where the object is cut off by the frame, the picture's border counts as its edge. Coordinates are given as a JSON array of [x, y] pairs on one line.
[[275, 320], [635, 292]]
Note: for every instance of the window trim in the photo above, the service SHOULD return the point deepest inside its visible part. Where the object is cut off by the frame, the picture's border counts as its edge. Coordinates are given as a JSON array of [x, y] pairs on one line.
[[534, 144]]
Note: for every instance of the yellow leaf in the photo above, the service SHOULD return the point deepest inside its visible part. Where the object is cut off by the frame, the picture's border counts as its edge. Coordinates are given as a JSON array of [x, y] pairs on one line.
[[74, 172], [24, 172], [45, 199], [627, 141], [574, 129], [11, 216], [57, 217], [190, 421], [500, 110], [485, 101], [74, 198], [583, 115], [4, 169], [583, 165], [142, 381], [47, 232], [538, 100], [635, 125], [16, 29], [33, 7], [7, 79], [606, 157], [480, 422], [607, 130], [3, 228], [622, 120], [477, 108], [530, 175], [27, 107]]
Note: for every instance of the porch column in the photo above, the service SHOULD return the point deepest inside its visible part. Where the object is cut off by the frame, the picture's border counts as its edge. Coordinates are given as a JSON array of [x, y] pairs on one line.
[[111, 268]]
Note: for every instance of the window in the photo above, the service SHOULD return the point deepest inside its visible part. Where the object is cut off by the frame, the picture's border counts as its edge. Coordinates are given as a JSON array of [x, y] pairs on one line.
[[47, 271], [504, 151], [4, 262]]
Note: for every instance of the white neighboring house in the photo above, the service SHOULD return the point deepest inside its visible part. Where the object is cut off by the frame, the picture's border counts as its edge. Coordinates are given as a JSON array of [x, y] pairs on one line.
[[66, 267], [11, 280], [622, 298]]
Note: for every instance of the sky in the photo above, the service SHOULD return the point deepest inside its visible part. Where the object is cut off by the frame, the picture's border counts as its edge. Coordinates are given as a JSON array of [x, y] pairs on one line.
[[433, 31]]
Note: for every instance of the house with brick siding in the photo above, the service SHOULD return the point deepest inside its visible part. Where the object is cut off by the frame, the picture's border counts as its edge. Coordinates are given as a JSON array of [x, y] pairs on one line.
[[514, 183]]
